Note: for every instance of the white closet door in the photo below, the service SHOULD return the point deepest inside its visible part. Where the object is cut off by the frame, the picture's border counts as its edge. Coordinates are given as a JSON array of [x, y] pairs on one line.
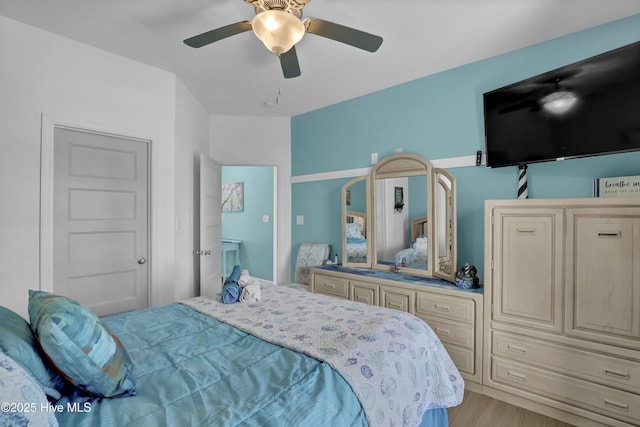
[[100, 220]]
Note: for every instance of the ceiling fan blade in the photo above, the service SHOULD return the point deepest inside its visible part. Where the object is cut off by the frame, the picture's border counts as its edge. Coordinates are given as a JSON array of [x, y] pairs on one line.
[[340, 33], [218, 34], [290, 64]]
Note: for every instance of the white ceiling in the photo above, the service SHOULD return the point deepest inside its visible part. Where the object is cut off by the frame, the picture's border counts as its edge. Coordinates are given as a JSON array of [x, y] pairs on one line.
[[236, 76]]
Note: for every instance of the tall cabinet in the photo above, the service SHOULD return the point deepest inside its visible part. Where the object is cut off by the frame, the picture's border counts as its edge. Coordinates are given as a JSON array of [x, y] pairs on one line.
[[562, 307]]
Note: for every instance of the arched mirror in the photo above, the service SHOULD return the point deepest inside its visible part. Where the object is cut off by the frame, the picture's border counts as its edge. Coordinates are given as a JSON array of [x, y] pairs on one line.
[[356, 244], [402, 211]]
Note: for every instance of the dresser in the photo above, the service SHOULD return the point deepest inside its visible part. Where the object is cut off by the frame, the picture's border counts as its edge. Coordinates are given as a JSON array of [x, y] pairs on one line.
[[562, 307], [454, 314]]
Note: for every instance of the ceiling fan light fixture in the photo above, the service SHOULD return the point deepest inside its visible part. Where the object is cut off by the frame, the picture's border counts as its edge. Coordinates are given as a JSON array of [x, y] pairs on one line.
[[278, 30], [559, 102]]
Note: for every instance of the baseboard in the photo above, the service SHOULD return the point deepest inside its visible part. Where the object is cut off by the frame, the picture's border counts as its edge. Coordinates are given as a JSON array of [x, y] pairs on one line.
[[474, 387]]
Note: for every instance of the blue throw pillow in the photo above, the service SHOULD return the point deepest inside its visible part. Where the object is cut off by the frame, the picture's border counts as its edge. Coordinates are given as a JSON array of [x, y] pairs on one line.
[[80, 345], [17, 341], [354, 231]]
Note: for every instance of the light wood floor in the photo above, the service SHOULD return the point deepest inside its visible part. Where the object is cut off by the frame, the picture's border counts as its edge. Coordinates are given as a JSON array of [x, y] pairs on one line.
[[478, 410]]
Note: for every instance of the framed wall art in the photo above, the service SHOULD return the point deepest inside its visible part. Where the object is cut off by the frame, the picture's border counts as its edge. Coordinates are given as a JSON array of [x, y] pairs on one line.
[[233, 197]]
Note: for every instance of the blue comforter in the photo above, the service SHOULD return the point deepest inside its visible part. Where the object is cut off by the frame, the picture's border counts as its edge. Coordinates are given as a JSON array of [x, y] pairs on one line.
[[193, 370]]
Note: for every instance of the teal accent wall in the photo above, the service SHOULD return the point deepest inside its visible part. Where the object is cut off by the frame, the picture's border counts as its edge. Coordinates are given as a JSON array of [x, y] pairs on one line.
[[441, 116], [256, 250], [319, 203]]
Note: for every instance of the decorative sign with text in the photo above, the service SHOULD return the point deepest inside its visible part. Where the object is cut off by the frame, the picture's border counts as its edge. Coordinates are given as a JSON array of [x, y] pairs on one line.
[[621, 186]]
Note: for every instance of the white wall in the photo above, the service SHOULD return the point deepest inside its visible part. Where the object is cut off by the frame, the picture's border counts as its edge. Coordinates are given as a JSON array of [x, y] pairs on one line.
[[264, 141], [192, 139], [42, 73]]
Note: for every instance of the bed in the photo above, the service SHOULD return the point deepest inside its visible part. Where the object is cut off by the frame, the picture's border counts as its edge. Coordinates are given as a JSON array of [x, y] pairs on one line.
[[356, 237], [292, 359], [416, 255]]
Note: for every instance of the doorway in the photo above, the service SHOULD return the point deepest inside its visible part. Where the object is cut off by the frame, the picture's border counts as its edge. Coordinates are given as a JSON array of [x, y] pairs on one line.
[[252, 228]]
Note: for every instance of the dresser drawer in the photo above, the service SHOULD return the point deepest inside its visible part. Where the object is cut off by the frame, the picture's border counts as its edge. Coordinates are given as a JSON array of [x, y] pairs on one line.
[[463, 358], [461, 334], [333, 286], [603, 369], [398, 299], [614, 403], [364, 292], [459, 309]]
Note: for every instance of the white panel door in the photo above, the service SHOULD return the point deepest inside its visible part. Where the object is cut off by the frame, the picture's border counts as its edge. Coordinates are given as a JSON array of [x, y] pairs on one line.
[[100, 220], [210, 227]]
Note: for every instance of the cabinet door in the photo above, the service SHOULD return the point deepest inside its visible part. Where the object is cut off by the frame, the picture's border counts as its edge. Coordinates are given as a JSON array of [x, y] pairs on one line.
[[603, 274], [527, 267]]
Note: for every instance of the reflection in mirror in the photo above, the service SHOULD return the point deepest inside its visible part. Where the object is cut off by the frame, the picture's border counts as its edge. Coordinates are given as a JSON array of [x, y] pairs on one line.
[[391, 221], [355, 245], [399, 237]]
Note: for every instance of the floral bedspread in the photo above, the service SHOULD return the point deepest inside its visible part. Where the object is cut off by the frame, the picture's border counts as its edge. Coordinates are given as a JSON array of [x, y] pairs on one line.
[[393, 361]]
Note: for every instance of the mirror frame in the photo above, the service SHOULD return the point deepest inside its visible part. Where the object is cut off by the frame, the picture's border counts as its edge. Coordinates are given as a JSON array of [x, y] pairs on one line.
[[396, 166], [447, 263], [367, 219]]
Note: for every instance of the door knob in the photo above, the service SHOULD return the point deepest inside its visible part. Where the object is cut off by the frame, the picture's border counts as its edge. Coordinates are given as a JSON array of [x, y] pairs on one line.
[[207, 252], [142, 260]]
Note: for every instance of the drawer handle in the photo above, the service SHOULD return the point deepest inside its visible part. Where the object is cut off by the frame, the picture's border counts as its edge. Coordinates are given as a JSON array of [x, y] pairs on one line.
[[395, 306], [526, 231], [616, 374], [616, 405], [329, 285], [517, 349], [442, 331], [442, 307], [517, 376], [609, 234]]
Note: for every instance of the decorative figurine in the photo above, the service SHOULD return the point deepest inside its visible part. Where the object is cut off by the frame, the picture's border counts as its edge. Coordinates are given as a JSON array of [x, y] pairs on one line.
[[466, 277]]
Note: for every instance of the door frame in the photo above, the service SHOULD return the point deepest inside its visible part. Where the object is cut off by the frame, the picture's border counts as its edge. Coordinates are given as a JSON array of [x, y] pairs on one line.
[[49, 124], [275, 211]]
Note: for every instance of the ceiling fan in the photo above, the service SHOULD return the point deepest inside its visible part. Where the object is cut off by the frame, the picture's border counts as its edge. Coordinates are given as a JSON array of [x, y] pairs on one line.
[[279, 25]]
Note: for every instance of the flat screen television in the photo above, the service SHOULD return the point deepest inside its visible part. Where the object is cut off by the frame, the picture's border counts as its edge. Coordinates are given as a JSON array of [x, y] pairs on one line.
[[587, 108]]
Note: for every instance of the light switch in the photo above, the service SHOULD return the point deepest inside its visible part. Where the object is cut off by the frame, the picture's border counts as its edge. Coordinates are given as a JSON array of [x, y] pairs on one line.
[[300, 219], [265, 218], [374, 158]]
